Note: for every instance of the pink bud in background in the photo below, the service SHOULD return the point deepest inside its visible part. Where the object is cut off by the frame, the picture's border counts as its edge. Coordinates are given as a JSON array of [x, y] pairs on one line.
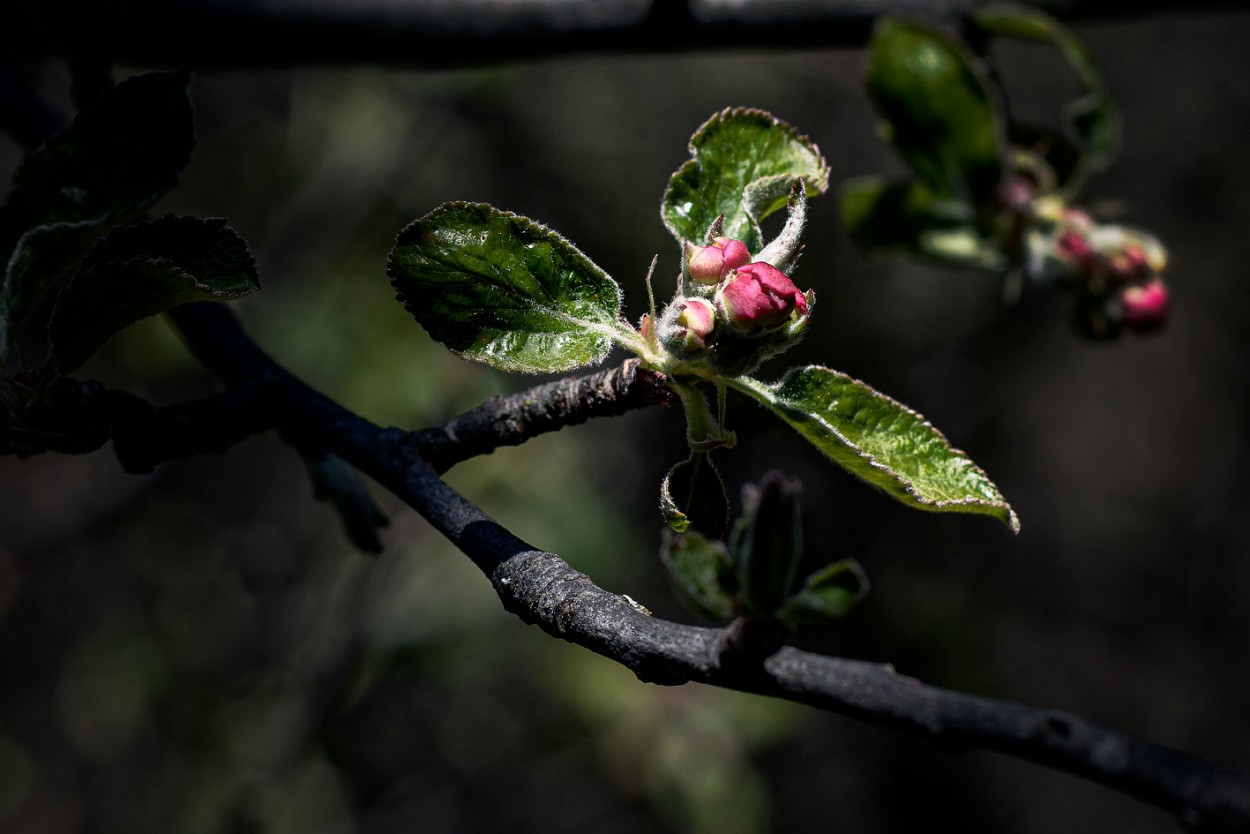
[[1145, 306], [1073, 246], [709, 264], [758, 296]]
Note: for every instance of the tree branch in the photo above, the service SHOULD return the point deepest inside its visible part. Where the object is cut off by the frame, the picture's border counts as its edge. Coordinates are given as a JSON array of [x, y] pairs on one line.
[[543, 590], [145, 435], [256, 33], [514, 419]]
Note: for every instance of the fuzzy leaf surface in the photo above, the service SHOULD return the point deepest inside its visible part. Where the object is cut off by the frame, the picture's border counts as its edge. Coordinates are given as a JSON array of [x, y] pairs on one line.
[[743, 163], [937, 111], [501, 289], [145, 269], [880, 441]]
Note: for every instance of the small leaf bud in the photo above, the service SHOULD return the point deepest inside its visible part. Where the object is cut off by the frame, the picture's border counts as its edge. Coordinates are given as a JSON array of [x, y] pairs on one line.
[[766, 543]]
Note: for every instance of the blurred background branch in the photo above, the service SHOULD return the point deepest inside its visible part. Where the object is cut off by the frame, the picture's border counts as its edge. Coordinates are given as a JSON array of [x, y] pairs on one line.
[[428, 33]]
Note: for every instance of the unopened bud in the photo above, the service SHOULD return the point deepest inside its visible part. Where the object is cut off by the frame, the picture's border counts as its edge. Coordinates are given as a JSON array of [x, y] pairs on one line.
[[686, 326], [709, 264], [759, 297], [697, 318], [1145, 306], [1072, 246]]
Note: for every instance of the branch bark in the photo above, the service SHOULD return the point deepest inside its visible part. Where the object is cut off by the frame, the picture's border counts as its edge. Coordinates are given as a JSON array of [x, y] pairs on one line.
[[512, 420], [543, 590], [430, 33]]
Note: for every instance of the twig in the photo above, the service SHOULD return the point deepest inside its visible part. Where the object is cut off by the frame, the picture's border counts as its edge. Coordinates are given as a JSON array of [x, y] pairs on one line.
[[145, 435], [514, 419], [543, 590]]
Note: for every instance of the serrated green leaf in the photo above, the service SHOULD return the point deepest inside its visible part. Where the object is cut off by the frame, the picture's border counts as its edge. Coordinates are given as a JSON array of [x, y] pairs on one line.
[[827, 594], [499, 288], [936, 108], [144, 269], [880, 441], [1093, 118], [700, 573], [743, 163], [116, 158], [904, 218]]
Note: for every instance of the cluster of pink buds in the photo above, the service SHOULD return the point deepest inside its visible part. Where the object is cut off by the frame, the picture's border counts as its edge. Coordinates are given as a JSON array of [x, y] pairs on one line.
[[1116, 271], [735, 313]]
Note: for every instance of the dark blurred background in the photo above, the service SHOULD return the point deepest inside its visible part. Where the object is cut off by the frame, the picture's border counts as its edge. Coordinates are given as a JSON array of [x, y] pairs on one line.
[[201, 650]]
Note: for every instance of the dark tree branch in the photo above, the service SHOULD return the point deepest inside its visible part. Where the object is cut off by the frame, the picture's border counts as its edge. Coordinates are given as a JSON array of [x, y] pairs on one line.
[[514, 419], [255, 33], [145, 435], [543, 590]]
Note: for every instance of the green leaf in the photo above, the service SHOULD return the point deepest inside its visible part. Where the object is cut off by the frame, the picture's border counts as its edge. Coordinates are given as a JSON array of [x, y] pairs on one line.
[[904, 218], [827, 594], [499, 288], [144, 269], [742, 165], [116, 158], [936, 108], [880, 441], [699, 570], [1093, 118]]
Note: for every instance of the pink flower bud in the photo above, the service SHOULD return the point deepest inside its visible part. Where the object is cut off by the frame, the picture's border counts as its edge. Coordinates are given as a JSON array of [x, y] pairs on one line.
[[1073, 246], [1145, 306], [696, 318], [709, 264], [759, 296]]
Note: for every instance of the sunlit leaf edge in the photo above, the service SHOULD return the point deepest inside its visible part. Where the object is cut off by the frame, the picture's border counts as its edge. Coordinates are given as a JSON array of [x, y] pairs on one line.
[[879, 474], [814, 187]]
